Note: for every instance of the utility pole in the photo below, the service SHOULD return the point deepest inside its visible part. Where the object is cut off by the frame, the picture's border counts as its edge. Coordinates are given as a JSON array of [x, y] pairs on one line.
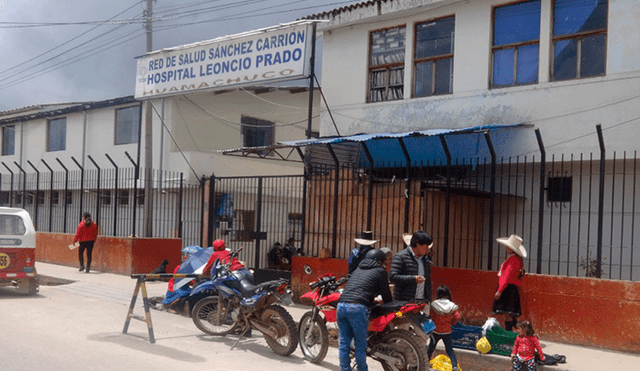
[[148, 137]]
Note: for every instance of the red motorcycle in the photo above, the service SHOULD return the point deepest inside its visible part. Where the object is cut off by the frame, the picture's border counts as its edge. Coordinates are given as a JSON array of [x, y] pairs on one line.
[[314, 336], [396, 336]]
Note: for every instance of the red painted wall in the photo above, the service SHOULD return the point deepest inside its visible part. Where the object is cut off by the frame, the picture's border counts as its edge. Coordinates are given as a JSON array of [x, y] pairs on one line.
[[110, 254], [582, 311]]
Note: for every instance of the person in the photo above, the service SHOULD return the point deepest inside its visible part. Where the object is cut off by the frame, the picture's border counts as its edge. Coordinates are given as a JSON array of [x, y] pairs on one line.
[[525, 347], [367, 281], [365, 243], [444, 314], [506, 300], [275, 256], [175, 299], [411, 269], [221, 254], [86, 234]]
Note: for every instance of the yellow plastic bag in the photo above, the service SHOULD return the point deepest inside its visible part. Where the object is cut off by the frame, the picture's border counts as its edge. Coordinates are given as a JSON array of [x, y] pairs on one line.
[[483, 345], [442, 363]]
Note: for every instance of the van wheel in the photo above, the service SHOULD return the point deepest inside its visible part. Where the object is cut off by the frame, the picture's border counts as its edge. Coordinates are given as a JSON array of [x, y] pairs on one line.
[[29, 286]]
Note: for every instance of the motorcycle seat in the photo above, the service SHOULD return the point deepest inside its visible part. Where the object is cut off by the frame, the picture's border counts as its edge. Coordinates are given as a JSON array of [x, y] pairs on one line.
[[386, 308], [248, 289]]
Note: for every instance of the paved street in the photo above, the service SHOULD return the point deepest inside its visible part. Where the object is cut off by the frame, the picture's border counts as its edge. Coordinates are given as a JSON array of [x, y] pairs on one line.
[[78, 326]]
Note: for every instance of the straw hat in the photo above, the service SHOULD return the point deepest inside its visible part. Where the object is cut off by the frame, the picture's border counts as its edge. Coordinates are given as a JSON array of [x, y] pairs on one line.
[[514, 242], [366, 238], [406, 237]]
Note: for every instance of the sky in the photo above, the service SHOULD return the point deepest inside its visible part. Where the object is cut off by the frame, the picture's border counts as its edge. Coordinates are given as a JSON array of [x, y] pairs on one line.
[[84, 50]]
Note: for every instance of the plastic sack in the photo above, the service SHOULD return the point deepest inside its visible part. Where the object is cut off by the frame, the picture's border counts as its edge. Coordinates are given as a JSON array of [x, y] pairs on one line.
[[483, 345], [491, 322], [442, 363]]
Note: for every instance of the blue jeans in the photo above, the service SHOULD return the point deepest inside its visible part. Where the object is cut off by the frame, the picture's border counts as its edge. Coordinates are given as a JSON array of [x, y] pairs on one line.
[[448, 346], [353, 321]]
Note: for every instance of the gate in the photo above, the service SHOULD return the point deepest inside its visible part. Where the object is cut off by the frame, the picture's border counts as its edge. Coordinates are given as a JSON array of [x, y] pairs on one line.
[[254, 212]]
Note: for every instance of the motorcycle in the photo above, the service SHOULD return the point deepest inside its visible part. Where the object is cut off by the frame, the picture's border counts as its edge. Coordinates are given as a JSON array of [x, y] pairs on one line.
[[398, 331], [313, 332], [237, 305]]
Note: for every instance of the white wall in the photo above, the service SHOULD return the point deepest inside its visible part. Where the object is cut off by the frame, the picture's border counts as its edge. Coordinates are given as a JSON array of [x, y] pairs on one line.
[[565, 112]]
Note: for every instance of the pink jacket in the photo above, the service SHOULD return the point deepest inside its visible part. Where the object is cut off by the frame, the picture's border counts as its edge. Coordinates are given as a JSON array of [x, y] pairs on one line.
[[526, 346]]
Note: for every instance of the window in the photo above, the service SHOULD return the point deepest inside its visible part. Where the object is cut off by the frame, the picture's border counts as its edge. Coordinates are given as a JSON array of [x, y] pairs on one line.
[[386, 64], [122, 197], [8, 140], [55, 198], [105, 197], [257, 133], [127, 125], [516, 44], [68, 198], [57, 135], [434, 57], [579, 38], [559, 189], [244, 224], [294, 225]]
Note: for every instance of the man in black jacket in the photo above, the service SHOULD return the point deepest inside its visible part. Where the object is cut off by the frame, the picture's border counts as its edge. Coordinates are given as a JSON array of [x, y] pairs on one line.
[[411, 269], [367, 281]]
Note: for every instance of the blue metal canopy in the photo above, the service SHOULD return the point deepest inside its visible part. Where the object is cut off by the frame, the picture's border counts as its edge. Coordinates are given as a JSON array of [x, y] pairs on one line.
[[426, 146]]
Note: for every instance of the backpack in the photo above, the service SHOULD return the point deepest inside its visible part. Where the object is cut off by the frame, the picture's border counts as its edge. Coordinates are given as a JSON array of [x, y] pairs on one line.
[[357, 255]]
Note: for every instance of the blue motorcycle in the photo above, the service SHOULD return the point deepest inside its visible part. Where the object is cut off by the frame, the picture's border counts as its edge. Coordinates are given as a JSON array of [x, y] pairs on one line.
[[235, 305]]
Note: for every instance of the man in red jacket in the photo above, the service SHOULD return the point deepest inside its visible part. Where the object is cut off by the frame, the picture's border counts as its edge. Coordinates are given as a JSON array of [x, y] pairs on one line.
[[86, 234]]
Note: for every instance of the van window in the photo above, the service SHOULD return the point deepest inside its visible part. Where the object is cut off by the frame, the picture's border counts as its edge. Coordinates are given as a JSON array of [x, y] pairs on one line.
[[12, 225]]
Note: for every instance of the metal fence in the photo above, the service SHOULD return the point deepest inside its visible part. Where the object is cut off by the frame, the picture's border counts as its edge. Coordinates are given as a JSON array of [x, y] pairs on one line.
[[256, 212], [115, 197], [577, 214]]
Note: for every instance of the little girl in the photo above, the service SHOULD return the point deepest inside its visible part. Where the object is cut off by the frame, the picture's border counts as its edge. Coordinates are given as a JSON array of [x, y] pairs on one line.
[[444, 314], [525, 347]]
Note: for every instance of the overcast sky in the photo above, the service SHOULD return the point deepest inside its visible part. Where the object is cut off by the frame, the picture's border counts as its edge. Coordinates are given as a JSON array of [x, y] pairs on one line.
[[62, 51]]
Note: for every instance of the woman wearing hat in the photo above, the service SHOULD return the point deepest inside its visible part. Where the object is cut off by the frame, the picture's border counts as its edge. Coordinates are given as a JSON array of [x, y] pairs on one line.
[[506, 300]]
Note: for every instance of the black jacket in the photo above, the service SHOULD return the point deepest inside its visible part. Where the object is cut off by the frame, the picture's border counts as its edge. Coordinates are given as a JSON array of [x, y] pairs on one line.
[[367, 282], [403, 272]]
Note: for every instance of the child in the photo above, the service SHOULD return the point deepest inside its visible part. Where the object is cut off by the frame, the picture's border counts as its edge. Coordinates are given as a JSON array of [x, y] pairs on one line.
[[525, 347], [444, 314]]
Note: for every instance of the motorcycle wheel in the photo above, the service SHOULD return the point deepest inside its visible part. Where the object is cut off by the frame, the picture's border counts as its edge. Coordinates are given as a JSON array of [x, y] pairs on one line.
[[211, 315], [405, 347], [287, 340], [314, 338]]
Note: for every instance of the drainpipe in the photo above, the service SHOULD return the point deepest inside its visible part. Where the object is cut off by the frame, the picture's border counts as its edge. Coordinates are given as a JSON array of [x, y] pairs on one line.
[[447, 206], [305, 178], [543, 166]]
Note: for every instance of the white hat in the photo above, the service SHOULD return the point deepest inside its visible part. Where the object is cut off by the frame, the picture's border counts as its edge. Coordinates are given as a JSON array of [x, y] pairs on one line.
[[366, 238], [406, 237], [514, 242]]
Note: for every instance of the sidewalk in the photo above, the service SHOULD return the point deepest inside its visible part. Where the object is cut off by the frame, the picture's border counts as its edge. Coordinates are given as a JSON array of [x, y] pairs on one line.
[[118, 288]]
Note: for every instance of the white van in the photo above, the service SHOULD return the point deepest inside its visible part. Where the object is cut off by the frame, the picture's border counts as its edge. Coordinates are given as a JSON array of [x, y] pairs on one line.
[[18, 250]]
